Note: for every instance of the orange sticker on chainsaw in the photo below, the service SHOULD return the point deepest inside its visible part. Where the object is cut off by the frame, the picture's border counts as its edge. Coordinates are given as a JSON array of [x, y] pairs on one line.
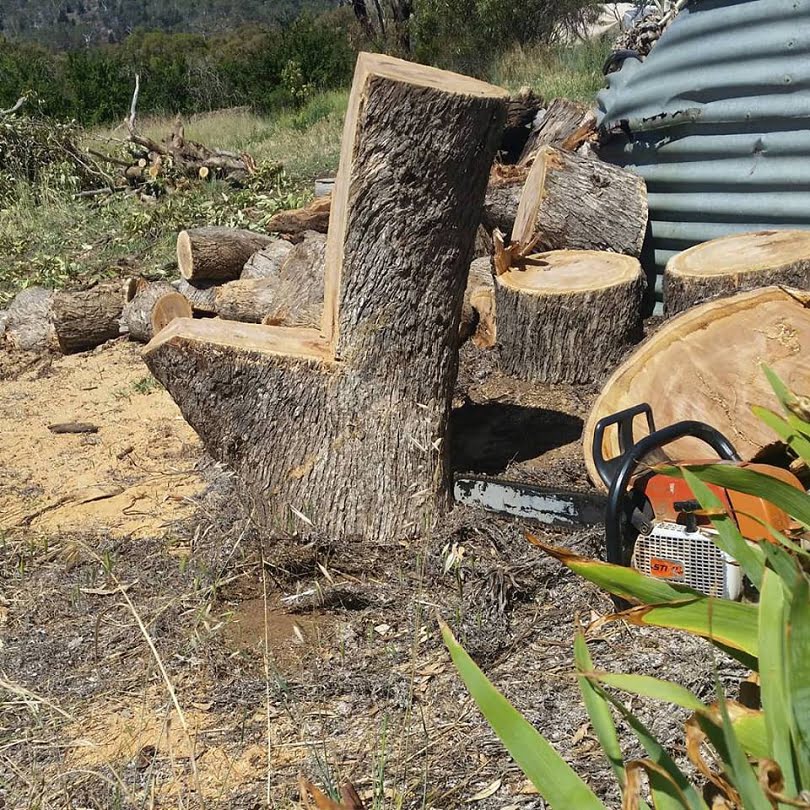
[[665, 569]]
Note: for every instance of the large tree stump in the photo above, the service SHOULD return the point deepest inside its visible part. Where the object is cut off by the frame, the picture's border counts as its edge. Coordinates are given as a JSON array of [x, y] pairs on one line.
[[29, 326], [293, 296], [153, 308], [215, 253], [736, 263], [571, 202], [85, 319], [568, 315], [344, 429], [706, 364]]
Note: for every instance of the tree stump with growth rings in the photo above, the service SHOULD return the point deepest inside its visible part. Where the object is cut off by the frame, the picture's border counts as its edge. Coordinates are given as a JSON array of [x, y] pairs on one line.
[[736, 263], [567, 316]]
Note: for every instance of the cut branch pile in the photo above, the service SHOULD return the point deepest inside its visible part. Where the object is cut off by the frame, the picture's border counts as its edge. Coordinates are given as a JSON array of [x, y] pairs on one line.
[[177, 157]]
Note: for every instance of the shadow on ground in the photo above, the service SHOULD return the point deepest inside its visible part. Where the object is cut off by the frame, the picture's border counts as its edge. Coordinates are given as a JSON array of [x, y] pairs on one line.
[[486, 438]]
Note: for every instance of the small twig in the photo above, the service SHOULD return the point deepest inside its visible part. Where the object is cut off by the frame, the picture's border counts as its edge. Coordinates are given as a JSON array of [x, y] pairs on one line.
[[17, 104], [73, 427]]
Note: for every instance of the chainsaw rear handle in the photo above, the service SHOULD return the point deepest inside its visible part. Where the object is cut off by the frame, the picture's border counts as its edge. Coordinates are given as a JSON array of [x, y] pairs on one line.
[[607, 467], [630, 460]]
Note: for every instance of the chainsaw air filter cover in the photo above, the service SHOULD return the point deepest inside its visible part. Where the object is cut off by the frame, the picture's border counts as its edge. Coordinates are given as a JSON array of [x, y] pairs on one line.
[[674, 553]]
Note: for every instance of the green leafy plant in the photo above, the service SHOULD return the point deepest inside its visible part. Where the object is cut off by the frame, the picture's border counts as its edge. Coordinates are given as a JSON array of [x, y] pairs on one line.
[[760, 757]]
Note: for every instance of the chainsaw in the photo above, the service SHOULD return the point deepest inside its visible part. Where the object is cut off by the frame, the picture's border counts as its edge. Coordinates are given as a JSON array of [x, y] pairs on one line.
[[652, 521]]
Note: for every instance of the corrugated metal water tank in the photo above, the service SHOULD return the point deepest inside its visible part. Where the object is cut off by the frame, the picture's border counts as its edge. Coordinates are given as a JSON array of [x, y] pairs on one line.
[[717, 121]]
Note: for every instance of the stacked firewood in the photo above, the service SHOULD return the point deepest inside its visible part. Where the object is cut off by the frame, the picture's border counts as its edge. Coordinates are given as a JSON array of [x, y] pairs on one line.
[[229, 273]]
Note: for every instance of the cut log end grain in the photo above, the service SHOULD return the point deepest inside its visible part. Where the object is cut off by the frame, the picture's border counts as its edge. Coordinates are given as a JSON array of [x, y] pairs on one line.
[[568, 316], [215, 253], [573, 202], [734, 264], [705, 364], [153, 309], [29, 326]]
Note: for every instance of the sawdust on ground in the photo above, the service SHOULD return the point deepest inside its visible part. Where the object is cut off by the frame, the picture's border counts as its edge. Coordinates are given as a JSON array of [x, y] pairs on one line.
[[132, 477]]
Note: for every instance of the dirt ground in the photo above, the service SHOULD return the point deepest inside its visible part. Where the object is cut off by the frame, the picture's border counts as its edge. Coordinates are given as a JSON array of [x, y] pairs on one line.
[[157, 652]]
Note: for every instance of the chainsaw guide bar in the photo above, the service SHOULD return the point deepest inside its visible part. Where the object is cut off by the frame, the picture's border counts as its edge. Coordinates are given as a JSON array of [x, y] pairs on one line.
[[552, 507]]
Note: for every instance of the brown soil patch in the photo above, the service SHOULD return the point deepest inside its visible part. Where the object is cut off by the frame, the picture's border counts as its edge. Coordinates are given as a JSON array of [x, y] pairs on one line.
[[132, 477]]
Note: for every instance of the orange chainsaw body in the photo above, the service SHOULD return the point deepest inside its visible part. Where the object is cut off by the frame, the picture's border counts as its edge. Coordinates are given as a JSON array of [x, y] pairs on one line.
[[664, 491]]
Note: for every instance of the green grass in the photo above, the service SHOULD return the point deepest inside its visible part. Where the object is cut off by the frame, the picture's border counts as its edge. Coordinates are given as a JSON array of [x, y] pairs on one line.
[[47, 237], [554, 72]]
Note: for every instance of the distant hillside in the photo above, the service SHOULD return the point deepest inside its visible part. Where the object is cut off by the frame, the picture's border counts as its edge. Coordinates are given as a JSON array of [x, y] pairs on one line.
[[65, 24]]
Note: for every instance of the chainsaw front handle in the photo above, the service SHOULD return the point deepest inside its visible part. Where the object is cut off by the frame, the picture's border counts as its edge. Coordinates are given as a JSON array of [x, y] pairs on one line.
[[630, 460]]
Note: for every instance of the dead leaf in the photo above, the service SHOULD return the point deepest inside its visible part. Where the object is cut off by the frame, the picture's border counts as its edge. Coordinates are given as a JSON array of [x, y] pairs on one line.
[[490, 790]]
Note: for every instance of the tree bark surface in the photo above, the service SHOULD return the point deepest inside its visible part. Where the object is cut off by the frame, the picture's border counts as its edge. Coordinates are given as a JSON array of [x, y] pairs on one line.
[[29, 325], [565, 125], [200, 295], [705, 364], [314, 217], [569, 315], [478, 310], [735, 263], [216, 253], [153, 308], [267, 261], [502, 198], [571, 202], [291, 297], [85, 319], [345, 429]]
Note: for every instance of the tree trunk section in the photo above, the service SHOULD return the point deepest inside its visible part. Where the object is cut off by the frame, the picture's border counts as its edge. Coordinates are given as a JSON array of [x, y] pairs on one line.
[[568, 316], [216, 254], [83, 320], [566, 124], [736, 263], [314, 217], [705, 364], [291, 297], [343, 430], [29, 326], [267, 261], [154, 308], [571, 202]]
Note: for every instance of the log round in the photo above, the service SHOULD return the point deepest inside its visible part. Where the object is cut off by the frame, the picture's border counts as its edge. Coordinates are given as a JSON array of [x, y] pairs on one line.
[[29, 326], [293, 296], [568, 315], [153, 308], [736, 263], [705, 364], [215, 253], [573, 202], [88, 318]]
